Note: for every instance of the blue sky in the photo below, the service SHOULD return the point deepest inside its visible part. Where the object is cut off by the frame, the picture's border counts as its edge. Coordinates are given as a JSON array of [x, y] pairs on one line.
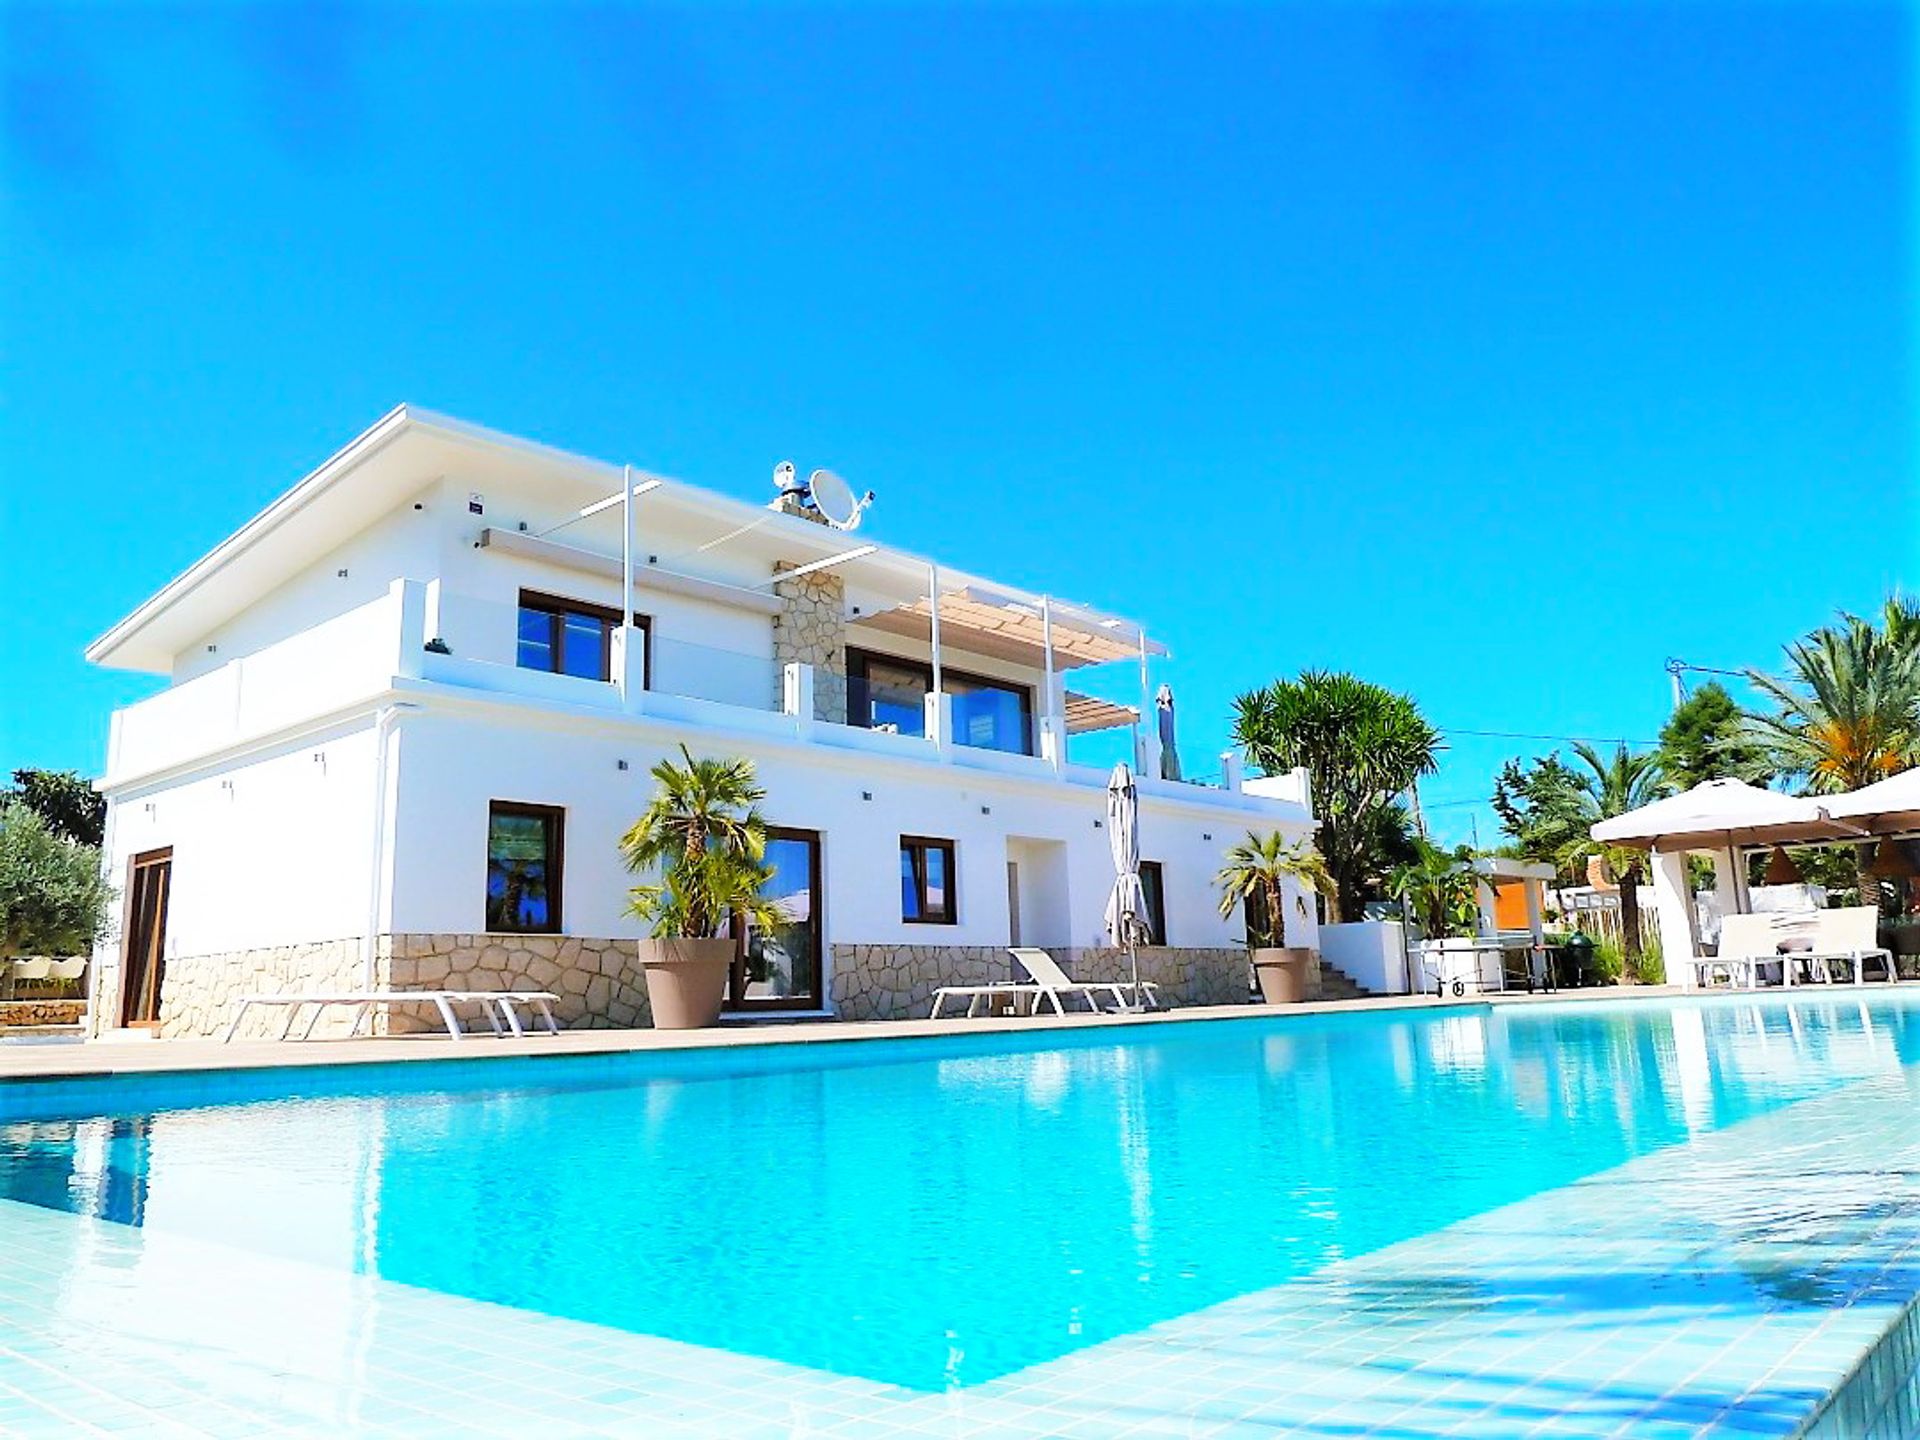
[[1492, 352]]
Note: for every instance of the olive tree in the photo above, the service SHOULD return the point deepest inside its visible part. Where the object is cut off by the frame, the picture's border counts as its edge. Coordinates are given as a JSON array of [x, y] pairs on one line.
[[53, 898]]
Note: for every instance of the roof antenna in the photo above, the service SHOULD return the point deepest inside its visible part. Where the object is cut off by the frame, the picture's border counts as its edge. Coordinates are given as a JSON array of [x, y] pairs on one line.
[[786, 480], [823, 493]]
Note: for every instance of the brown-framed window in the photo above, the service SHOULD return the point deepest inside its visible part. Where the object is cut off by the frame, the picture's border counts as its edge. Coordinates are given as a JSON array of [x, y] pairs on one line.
[[928, 881], [574, 637], [884, 691], [1153, 886], [525, 869]]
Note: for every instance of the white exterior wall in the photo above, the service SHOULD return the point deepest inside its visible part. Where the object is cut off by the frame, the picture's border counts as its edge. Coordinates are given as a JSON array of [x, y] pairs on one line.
[[1373, 953], [405, 543], [451, 766], [271, 848]]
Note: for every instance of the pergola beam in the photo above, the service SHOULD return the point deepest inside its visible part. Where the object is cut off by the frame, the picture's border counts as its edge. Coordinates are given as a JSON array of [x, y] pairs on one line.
[[857, 553]]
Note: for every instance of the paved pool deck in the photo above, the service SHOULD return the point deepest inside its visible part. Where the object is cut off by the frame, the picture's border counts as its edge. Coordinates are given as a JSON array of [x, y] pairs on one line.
[[53, 1059]]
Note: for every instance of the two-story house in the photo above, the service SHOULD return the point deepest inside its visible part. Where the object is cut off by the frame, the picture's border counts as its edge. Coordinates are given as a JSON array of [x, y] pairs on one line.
[[412, 706]]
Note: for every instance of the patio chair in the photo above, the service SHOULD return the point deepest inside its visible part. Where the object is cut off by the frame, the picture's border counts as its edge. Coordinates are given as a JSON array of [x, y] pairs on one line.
[[66, 973], [1746, 943], [30, 972], [1851, 936]]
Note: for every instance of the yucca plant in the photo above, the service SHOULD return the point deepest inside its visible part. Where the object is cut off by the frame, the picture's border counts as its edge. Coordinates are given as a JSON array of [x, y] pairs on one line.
[[1258, 867]]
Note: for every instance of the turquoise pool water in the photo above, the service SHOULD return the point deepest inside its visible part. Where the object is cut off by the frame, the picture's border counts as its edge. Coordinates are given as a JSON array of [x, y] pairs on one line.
[[931, 1213]]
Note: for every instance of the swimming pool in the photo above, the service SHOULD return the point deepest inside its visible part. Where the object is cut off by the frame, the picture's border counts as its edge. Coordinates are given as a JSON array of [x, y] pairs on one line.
[[934, 1214]]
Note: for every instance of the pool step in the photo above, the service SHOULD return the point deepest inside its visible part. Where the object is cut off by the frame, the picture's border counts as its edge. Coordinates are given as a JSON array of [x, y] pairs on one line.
[[1336, 984]]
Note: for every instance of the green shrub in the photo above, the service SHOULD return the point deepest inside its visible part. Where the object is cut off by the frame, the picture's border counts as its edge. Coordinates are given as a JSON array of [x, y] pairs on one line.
[[53, 899], [1610, 960]]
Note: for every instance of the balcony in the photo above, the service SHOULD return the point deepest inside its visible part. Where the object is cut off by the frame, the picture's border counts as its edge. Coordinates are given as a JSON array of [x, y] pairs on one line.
[[381, 647]]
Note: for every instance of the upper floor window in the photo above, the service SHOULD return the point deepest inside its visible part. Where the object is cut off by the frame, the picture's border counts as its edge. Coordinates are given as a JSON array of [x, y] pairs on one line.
[[885, 693], [926, 881], [570, 637], [1153, 886], [523, 868]]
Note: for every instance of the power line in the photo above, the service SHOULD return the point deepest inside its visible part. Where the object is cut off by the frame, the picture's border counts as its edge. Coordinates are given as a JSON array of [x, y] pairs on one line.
[[1528, 735]]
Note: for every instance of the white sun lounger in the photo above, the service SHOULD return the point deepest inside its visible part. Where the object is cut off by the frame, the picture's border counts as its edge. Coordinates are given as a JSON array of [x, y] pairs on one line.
[[974, 994], [1049, 984], [1048, 975], [497, 1005]]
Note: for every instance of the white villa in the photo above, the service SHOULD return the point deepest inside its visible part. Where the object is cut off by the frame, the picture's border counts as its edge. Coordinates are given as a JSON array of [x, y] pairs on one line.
[[410, 709]]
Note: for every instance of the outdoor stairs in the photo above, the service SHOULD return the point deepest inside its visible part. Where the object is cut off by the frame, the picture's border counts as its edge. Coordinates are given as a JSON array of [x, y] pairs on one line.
[[1338, 985]]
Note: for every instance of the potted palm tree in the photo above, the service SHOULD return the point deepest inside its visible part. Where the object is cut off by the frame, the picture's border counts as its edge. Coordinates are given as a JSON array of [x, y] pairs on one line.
[[1255, 873], [705, 838]]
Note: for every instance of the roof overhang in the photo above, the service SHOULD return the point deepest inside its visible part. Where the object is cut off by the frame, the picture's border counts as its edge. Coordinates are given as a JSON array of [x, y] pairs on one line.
[[409, 448]]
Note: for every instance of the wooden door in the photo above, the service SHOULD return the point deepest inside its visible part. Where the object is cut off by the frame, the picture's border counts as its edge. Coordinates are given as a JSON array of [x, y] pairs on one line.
[[143, 946]]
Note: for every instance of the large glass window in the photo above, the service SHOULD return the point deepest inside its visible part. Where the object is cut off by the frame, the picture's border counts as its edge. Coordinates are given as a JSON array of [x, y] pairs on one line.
[[889, 694], [569, 637], [783, 969], [1153, 885], [926, 881], [523, 868]]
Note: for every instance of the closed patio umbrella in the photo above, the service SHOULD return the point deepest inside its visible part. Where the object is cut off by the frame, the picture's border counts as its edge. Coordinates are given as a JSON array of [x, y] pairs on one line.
[[1169, 752], [1127, 906]]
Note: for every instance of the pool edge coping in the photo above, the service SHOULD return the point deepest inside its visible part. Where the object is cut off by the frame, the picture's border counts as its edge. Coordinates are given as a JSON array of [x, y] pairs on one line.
[[106, 1059]]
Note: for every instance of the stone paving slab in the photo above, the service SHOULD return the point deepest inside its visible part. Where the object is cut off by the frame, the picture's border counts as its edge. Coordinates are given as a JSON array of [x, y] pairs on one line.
[[1726, 1285]]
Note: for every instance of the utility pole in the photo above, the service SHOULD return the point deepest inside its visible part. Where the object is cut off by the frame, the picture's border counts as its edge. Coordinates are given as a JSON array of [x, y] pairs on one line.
[[1676, 668]]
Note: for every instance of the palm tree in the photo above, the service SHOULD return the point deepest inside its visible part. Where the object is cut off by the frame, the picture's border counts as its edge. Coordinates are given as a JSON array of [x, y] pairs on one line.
[[1900, 620], [1256, 870], [1440, 888], [704, 831], [1363, 746], [1612, 786], [1847, 712]]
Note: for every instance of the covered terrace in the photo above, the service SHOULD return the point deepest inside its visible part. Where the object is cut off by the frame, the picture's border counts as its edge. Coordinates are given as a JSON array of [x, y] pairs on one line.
[[1728, 821]]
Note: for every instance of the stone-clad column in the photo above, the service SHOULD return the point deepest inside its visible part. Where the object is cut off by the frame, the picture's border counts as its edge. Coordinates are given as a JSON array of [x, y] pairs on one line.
[[812, 628]]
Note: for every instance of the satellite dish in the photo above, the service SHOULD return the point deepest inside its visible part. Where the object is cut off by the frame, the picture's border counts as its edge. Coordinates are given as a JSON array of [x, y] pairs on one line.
[[834, 499]]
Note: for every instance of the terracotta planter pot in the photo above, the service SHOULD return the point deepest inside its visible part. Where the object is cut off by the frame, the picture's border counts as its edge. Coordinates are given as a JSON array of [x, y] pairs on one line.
[[686, 981], [1282, 974]]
